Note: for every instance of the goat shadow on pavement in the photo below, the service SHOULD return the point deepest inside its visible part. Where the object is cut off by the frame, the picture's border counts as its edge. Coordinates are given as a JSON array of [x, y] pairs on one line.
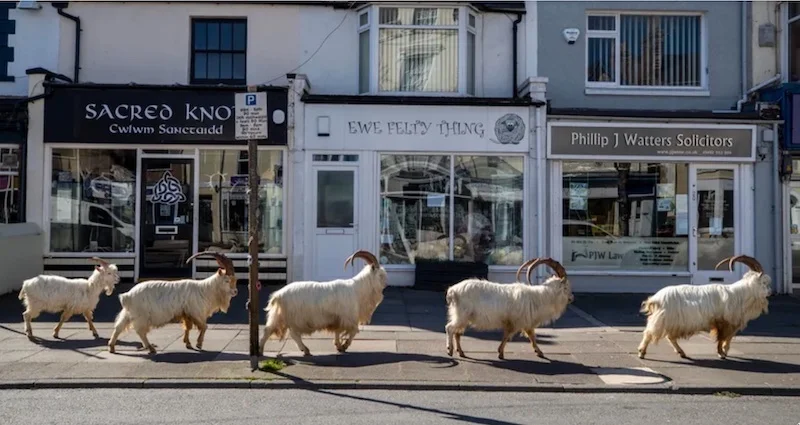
[[363, 359], [737, 364]]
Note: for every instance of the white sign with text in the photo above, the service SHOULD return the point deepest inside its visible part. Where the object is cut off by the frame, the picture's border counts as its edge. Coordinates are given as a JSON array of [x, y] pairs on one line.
[[251, 116]]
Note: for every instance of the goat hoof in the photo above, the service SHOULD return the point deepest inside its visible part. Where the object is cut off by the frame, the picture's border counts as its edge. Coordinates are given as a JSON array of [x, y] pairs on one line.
[[306, 354], [461, 353], [450, 352], [111, 350], [540, 354], [30, 337], [188, 346], [501, 356], [683, 355], [96, 336], [641, 355]]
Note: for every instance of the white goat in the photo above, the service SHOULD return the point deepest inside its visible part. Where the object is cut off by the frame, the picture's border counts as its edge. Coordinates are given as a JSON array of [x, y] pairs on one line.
[[54, 294], [155, 303], [337, 306], [681, 311], [513, 307]]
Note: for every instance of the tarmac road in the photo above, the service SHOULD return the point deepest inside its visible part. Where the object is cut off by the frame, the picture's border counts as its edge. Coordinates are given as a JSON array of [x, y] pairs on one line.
[[354, 407]]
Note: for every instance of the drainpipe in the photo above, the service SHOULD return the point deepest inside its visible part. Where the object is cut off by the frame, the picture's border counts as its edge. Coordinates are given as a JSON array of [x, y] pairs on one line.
[[745, 39], [514, 58], [60, 6]]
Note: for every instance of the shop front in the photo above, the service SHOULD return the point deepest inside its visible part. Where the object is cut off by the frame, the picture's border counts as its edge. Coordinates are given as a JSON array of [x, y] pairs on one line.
[[636, 206], [145, 176], [416, 183]]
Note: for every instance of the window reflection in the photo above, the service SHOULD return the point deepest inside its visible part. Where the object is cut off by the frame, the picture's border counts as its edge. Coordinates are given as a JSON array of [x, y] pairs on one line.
[[487, 196], [10, 200], [224, 201], [628, 216], [92, 203]]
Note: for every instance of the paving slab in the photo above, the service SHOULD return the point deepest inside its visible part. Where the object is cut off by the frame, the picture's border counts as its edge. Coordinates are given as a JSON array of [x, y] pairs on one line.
[[592, 346]]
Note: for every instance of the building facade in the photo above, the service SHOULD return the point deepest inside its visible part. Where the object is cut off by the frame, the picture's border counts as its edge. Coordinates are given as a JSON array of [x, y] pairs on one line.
[[652, 166], [451, 140]]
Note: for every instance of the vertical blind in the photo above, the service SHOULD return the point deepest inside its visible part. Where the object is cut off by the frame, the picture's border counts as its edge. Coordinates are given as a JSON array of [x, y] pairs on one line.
[[418, 59], [654, 50]]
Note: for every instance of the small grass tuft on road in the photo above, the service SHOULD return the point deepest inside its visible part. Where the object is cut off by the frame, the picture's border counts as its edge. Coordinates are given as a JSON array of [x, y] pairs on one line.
[[271, 365]]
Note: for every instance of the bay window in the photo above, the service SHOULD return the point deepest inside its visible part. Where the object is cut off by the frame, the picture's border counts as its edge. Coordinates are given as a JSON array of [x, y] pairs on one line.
[[635, 50], [451, 207], [417, 50]]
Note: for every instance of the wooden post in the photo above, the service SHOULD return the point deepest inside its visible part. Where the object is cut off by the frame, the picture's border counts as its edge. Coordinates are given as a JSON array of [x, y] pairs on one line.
[[253, 230]]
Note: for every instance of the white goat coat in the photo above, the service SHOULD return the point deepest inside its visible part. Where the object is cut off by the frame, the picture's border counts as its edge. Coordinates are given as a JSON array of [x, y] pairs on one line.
[[342, 304], [54, 294], [153, 304], [681, 311], [517, 306]]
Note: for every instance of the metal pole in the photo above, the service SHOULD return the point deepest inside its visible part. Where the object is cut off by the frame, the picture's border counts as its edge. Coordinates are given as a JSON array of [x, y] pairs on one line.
[[253, 227]]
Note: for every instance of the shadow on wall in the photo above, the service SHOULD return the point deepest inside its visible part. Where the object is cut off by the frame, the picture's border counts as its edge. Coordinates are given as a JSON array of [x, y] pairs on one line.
[[21, 247]]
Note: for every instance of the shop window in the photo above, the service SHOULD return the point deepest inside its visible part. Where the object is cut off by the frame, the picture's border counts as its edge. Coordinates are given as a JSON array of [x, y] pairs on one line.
[[92, 200], [625, 216], [417, 49], [224, 206], [219, 51], [9, 185], [427, 198], [645, 50]]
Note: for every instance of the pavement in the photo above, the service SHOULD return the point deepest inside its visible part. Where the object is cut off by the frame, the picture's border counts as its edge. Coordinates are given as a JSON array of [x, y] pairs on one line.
[[591, 348]]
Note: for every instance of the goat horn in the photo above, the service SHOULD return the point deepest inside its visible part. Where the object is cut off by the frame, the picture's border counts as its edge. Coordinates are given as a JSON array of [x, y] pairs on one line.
[[366, 255], [750, 262], [99, 260], [553, 264], [724, 260], [525, 264], [223, 261]]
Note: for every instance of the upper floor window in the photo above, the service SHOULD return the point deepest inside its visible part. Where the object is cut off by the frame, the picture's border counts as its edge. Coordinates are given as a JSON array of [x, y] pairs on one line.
[[794, 41], [7, 27], [219, 51], [626, 50], [419, 50]]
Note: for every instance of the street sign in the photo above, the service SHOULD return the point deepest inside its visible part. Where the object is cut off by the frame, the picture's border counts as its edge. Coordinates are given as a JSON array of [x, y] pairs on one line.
[[251, 116]]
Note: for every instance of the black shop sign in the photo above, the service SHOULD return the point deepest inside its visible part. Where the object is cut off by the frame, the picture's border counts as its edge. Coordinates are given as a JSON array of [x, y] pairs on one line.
[[146, 116]]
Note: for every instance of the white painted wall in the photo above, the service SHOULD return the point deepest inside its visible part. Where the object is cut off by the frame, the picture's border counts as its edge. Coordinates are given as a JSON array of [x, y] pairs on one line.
[[150, 43], [36, 44], [764, 60]]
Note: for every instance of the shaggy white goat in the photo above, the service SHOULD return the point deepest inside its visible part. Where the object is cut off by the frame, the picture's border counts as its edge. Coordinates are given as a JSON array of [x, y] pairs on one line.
[[681, 311], [337, 306], [155, 303], [54, 294], [513, 307]]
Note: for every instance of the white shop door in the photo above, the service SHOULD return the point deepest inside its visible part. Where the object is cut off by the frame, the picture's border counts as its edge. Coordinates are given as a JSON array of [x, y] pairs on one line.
[[714, 217], [334, 203]]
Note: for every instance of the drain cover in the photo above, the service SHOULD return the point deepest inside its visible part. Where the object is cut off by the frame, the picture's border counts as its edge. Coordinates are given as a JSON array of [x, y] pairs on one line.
[[629, 376]]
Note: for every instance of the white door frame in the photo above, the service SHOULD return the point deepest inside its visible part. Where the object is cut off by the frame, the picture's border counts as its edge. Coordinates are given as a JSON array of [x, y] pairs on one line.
[[741, 212], [311, 258]]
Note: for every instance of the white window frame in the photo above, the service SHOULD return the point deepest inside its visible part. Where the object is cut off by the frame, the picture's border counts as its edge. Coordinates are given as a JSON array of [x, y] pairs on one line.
[[527, 200], [140, 153], [15, 174], [785, 51], [463, 27], [614, 88]]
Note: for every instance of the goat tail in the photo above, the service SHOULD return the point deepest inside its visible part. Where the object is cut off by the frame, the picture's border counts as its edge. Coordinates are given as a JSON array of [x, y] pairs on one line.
[[649, 306], [22, 293], [450, 296]]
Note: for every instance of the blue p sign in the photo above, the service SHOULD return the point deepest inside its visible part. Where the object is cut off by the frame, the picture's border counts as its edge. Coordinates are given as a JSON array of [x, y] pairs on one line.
[[250, 100]]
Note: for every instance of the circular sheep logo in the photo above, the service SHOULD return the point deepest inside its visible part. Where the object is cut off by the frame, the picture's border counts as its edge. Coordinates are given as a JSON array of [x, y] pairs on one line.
[[168, 190], [509, 129]]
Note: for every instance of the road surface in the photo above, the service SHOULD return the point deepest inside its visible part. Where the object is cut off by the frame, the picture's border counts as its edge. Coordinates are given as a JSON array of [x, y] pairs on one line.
[[355, 407]]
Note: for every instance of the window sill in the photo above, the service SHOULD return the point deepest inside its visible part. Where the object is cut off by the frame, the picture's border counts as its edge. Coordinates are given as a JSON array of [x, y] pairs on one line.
[[631, 273], [7, 79], [415, 94], [647, 92]]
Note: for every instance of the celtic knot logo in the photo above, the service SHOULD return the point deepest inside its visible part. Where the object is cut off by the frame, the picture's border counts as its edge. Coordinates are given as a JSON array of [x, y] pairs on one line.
[[509, 129], [168, 190]]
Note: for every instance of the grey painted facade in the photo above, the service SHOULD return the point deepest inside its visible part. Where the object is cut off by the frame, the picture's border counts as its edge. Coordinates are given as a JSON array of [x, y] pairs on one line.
[[565, 65]]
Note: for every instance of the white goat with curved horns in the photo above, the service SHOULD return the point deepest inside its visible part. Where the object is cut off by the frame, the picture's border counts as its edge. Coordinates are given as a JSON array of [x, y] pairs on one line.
[[512, 307], [54, 294], [681, 311], [338, 306], [155, 303]]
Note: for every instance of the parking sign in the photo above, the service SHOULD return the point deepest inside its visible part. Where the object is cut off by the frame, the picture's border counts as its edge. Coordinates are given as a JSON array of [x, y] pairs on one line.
[[251, 116]]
